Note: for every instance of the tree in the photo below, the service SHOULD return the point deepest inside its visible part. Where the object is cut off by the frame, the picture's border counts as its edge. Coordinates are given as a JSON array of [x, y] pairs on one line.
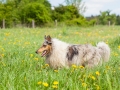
[[35, 11], [118, 20], [78, 4], [105, 17], [7, 13], [63, 13]]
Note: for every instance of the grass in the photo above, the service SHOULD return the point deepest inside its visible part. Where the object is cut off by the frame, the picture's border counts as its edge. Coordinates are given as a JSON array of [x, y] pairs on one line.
[[22, 69]]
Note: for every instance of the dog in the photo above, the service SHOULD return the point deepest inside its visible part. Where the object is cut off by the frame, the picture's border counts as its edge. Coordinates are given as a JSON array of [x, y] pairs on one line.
[[60, 54]]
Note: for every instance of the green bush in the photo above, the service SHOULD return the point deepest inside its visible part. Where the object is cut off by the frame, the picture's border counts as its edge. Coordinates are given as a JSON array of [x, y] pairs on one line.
[[77, 21]]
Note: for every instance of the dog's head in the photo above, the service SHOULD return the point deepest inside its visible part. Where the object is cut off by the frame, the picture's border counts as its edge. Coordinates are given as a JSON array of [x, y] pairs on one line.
[[46, 47]]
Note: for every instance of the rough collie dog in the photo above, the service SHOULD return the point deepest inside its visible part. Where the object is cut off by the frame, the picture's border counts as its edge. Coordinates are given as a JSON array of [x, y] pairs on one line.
[[60, 54]]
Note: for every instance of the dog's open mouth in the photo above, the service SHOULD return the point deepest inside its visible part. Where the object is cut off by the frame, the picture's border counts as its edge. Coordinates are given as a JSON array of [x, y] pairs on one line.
[[44, 53]]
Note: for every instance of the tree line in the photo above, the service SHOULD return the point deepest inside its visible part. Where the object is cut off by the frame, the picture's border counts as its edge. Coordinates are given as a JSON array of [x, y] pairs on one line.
[[24, 12]]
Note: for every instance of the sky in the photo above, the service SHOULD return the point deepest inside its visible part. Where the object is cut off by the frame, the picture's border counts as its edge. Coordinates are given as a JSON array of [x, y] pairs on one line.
[[95, 6]]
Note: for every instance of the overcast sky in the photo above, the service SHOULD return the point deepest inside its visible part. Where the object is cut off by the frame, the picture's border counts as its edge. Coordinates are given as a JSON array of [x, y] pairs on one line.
[[95, 6]]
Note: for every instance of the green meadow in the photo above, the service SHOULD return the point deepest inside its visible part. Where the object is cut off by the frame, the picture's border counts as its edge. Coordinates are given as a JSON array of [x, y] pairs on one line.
[[22, 69]]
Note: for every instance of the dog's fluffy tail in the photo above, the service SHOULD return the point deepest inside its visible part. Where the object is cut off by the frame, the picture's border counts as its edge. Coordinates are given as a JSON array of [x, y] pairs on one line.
[[104, 51]]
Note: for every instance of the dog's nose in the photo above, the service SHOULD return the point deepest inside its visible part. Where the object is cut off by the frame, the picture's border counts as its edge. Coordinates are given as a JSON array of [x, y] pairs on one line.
[[36, 52]]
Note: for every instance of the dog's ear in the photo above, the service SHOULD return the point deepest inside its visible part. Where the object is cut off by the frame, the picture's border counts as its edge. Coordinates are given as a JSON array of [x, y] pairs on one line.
[[45, 37], [48, 38]]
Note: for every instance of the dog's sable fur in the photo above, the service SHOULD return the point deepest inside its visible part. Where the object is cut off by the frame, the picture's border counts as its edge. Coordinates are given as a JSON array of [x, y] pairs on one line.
[[60, 54], [71, 52]]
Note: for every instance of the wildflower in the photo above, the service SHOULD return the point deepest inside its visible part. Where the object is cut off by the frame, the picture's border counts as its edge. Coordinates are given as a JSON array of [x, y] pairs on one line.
[[36, 59], [119, 68], [89, 34], [2, 55], [114, 71], [97, 87], [7, 34], [84, 84], [84, 76], [74, 66], [22, 61], [4, 38], [24, 78], [3, 49], [93, 77], [116, 54], [81, 66], [45, 84], [76, 33], [47, 65], [97, 73], [107, 67], [14, 43], [3, 64], [39, 82], [55, 70], [54, 86], [106, 42], [119, 47], [27, 43], [55, 82], [31, 55]]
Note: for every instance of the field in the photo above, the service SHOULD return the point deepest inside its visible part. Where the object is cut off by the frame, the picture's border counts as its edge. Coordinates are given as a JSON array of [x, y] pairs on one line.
[[22, 69]]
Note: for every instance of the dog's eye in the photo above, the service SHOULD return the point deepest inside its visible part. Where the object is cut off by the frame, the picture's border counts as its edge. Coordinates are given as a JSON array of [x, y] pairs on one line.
[[48, 42], [44, 45]]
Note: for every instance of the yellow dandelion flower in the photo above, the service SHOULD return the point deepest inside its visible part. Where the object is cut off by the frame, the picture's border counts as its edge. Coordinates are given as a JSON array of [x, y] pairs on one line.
[[7, 34], [3, 64], [45, 84], [119, 47], [97, 73], [55, 82], [106, 42], [107, 67], [84, 84], [31, 55], [74, 66], [93, 77], [115, 54], [119, 68], [97, 87], [54, 86], [24, 78], [81, 66], [2, 55], [36, 59], [4, 38], [114, 71], [89, 34], [89, 76], [76, 33], [39, 82], [3, 49], [47, 65], [22, 61], [84, 76], [55, 70]]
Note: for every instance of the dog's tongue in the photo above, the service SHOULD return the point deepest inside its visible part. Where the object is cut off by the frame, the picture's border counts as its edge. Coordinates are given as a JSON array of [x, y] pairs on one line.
[[43, 53]]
